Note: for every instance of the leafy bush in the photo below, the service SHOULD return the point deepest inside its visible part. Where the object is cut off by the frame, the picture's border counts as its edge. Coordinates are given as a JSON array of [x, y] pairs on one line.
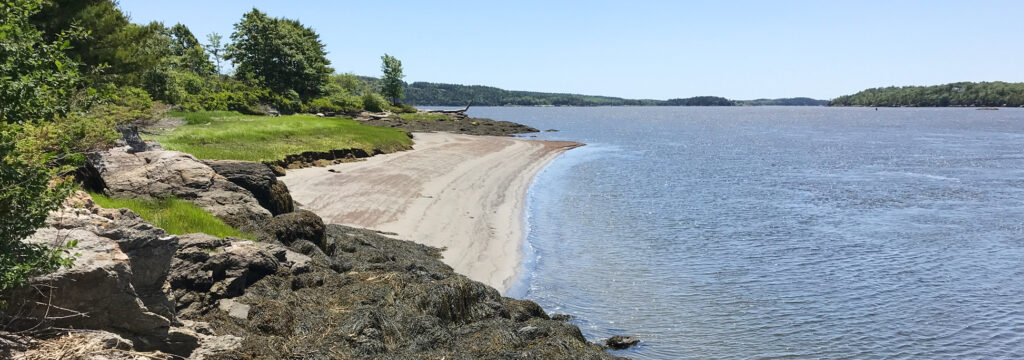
[[374, 102], [322, 105], [403, 109], [126, 104]]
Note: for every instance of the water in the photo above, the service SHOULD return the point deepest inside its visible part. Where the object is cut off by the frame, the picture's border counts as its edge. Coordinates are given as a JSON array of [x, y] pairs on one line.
[[773, 232]]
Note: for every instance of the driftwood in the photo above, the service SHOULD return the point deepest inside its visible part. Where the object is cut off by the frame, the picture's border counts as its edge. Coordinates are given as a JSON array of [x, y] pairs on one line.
[[462, 111]]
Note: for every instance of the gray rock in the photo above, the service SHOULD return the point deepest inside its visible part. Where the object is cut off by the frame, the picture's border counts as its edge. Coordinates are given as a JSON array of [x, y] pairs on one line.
[[162, 174], [298, 225], [207, 269], [259, 179], [619, 342], [101, 290], [234, 309]]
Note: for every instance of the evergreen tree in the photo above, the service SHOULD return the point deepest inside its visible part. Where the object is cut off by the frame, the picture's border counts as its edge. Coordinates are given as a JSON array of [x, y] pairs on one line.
[[284, 54]]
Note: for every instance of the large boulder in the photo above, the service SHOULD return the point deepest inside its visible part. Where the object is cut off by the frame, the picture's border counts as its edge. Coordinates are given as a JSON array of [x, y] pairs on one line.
[[207, 269], [259, 179], [102, 290], [299, 225], [161, 174]]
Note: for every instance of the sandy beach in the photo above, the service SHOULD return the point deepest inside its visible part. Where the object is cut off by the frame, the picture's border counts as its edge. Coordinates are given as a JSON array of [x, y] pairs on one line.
[[461, 192]]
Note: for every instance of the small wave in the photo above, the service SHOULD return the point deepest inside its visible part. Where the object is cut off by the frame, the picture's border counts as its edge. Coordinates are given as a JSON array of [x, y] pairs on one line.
[[918, 175]]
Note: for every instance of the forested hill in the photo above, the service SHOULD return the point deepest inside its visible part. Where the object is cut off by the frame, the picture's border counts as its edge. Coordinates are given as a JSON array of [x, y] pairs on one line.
[[437, 94], [797, 101], [424, 93], [956, 94]]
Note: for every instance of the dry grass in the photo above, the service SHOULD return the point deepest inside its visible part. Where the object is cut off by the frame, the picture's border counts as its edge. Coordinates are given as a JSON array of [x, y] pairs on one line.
[[86, 345]]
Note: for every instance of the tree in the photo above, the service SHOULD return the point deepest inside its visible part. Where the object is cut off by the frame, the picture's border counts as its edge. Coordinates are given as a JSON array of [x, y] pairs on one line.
[[215, 48], [283, 53], [124, 50], [188, 54], [39, 86], [392, 68]]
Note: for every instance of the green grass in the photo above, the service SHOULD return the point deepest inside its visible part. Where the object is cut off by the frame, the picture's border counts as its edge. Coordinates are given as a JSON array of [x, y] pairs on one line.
[[424, 117], [233, 136], [175, 216], [203, 117]]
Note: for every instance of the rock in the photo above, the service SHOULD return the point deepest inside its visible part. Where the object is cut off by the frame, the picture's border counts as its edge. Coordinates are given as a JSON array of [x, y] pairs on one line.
[[619, 342], [130, 137], [234, 309], [101, 291], [207, 269], [162, 174], [277, 169], [259, 179], [398, 301], [561, 317], [298, 225]]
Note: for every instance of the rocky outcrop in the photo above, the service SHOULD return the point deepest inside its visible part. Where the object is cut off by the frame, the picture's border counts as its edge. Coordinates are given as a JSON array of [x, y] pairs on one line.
[[117, 286], [396, 299], [207, 269], [102, 290], [161, 174], [457, 123], [259, 179], [295, 226]]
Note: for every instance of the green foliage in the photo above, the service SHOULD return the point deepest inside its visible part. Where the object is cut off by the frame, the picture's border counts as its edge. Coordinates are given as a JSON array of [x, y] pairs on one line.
[[353, 84], [956, 94], [38, 81], [175, 216], [374, 102], [232, 136], [392, 87], [215, 48], [422, 93], [322, 105], [700, 101], [124, 51], [38, 85], [283, 54], [797, 101], [424, 117], [187, 54], [202, 117], [404, 109]]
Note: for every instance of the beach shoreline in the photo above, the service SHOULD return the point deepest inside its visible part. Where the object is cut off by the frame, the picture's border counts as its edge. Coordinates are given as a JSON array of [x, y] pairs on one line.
[[463, 193]]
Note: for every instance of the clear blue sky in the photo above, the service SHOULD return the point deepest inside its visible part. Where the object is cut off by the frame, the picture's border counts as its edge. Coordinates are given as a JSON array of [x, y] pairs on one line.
[[650, 49]]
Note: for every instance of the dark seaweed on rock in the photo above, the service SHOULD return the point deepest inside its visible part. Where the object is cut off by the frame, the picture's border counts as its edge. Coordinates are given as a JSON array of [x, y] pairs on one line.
[[393, 300]]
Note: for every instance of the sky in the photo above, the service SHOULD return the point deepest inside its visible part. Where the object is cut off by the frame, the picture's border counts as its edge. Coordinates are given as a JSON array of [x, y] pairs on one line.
[[649, 49]]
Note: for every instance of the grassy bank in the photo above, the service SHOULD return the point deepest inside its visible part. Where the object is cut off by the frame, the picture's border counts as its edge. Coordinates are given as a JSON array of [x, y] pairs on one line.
[[175, 216], [424, 117], [233, 136]]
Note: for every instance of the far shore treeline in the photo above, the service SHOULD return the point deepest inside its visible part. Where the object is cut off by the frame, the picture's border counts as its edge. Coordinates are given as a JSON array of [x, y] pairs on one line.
[[969, 94], [438, 94]]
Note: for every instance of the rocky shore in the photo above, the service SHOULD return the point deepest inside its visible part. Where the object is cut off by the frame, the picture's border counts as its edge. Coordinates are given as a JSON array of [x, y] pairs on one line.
[[456, 123], [305, 290]]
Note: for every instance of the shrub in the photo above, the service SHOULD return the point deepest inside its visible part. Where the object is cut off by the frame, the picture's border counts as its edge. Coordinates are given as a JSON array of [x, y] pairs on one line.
[[126, 104], [374, 102], [322, 105], [403, 109]]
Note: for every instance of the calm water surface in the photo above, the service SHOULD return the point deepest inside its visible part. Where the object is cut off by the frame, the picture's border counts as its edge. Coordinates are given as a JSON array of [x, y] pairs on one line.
[[781, 232]]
